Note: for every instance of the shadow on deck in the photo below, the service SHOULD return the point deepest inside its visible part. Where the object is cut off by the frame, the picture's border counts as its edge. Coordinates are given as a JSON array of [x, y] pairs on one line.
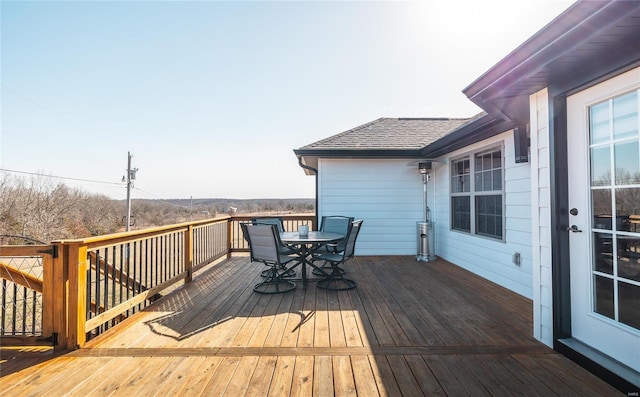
[[409, 328]]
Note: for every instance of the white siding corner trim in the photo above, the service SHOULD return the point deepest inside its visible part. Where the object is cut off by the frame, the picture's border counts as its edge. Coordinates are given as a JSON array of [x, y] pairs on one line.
[[541, 218]]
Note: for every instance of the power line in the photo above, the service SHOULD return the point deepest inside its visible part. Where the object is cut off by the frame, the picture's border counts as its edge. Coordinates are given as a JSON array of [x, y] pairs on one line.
[[160, 199], [33, 102], [60, 177]]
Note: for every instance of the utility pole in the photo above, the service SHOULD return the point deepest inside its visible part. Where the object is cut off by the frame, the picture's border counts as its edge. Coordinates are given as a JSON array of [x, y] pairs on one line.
[[130, 177]]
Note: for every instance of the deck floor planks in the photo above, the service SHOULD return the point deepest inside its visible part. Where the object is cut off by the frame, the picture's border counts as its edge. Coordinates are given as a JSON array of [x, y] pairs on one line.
[[472, 364], [239, 383], [321, 316], [336, 326], [302, 384], [383, 376], [343, 381], [407, 329], [352, 330], [323, 377], [363, 375], [220, 378], [278, 328], [427, 382], [200, 372], [282, 376], [403, 376], [261, 378], [378, 296], [307, 318]]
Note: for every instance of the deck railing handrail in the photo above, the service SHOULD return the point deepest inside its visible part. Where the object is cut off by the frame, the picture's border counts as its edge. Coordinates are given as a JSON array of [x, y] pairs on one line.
[[90, 284]]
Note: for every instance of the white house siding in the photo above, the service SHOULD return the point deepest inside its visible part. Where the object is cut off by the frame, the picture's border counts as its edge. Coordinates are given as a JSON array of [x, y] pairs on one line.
[[541, 218], [385, 194], [488, 257]]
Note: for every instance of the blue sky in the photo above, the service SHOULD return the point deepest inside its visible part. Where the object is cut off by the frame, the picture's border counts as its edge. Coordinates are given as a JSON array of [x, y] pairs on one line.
[[212, 97]]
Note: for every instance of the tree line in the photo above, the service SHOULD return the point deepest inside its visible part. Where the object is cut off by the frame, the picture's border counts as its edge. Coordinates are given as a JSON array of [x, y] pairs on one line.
[[38, 209]]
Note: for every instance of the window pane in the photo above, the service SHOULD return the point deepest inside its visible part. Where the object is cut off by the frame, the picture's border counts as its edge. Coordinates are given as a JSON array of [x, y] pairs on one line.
[[627, 163], [600, 166], [599, 123], [461, 213], [488, 171], [497, 179], [497, 159], [460, 176], [625, 116], [478, 181], [603, 296], [629, 304], [489, 216]]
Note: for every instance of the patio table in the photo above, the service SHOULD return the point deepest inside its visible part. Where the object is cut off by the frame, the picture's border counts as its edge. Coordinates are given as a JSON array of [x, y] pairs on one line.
[[305, 245]]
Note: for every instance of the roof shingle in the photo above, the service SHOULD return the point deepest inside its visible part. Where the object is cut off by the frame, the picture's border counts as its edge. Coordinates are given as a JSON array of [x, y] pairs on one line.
[[390, 133]]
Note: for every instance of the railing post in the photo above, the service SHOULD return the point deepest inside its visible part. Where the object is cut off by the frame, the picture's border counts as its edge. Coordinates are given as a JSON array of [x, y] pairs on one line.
[[188, 253], [77, 260], [229, 236], [54, 295]]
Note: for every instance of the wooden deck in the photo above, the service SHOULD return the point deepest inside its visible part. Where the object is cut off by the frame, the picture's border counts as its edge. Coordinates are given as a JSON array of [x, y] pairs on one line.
[[409, 329]]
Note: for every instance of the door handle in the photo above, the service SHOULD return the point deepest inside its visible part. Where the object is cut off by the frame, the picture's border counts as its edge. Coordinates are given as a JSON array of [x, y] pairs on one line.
[[574, 229]]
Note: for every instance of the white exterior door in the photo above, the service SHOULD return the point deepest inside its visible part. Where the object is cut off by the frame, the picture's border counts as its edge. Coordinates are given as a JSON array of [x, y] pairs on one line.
[[604, 203]]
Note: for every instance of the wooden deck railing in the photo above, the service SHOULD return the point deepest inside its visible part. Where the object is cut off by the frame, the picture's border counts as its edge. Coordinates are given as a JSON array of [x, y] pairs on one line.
[[89, 285]]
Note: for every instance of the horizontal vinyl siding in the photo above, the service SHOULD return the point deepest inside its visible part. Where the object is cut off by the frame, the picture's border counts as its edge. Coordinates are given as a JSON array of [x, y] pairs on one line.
[[385, 194], [484, 256]]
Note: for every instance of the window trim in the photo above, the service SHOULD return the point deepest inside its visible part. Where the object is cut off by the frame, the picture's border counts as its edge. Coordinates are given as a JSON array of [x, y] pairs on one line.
[[473, 193]]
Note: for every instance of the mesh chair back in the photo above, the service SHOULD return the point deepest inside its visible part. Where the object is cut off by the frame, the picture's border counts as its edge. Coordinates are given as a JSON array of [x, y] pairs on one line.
[[337, 224], [263, 242], [276, 220], [350, 244]]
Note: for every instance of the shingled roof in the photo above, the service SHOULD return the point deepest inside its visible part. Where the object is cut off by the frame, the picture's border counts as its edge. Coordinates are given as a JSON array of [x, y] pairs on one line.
[[383, 138], [388, 134]]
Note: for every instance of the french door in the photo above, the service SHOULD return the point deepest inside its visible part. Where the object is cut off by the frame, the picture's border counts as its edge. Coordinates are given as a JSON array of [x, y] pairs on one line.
[[604, 206]]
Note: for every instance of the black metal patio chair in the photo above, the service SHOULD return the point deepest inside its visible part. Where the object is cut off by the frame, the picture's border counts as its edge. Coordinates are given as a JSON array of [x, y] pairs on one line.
[[264, 241], [334, 224], [283, 249], [336, 280]]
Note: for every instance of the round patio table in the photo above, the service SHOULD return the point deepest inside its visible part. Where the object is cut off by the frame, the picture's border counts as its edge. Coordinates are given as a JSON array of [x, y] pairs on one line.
[[305, 245]]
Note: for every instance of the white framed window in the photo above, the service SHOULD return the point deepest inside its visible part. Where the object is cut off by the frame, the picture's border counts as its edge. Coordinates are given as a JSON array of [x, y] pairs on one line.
[[477, 193]]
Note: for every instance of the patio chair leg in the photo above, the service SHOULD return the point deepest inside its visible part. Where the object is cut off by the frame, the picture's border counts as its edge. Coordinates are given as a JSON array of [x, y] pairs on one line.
[[326, 265], [336, 281], [274, 283]]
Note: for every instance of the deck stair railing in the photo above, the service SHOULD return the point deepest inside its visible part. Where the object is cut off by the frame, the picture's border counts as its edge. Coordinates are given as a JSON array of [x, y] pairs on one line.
[[86, 286]]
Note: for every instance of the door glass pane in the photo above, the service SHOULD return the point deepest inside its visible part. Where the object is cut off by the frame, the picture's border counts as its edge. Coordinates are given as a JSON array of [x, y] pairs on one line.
[[615, 229], [603, 252], [628, 257], [627, 163], [625, 116], [600, 166], [599, 123], [603, 296], [601, 208], [629, 304], [627, 209]]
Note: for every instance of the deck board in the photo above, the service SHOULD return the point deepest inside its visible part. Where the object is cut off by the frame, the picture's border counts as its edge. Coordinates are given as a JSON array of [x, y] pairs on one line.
[[409, 328]]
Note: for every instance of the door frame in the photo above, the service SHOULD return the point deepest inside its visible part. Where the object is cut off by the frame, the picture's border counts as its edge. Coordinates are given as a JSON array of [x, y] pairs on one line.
[[589, 358]]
